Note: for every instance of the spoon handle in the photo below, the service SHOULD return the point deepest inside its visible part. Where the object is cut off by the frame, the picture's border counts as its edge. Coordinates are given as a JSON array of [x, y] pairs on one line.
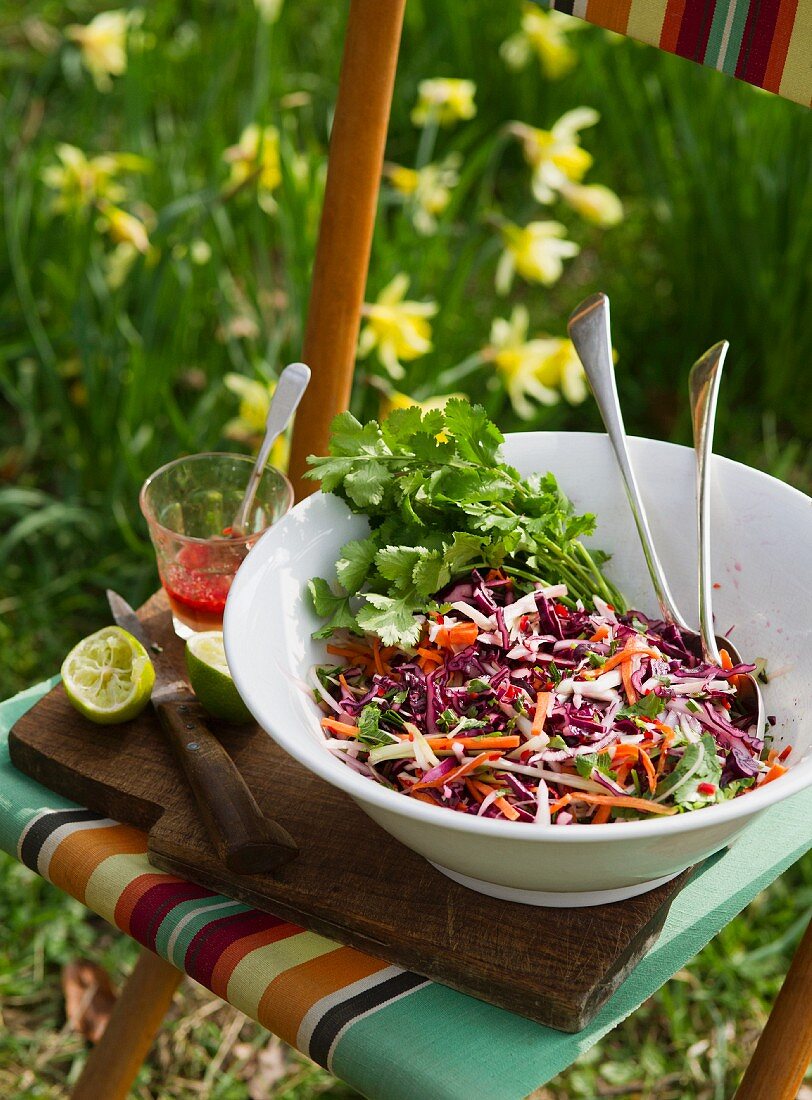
[[703, 385], [589, 331], [288, 393]]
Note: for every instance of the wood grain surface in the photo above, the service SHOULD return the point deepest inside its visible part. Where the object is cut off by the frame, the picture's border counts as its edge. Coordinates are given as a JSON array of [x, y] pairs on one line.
[[351, 881]]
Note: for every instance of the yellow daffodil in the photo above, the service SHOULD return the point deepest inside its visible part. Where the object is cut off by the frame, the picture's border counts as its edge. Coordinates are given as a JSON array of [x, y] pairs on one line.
[[556, 155], [103, 44], [545, 35], [80, 181], [536, 252], [537, 370], [396, 328], [248, 426], [256, 157], [444, 100], [594, 202], [269, 10], [124, 228], [428, 190]]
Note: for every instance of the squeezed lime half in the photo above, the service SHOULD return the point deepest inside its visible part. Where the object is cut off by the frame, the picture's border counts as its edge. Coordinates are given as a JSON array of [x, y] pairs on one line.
[[108, 676], [210, 678]]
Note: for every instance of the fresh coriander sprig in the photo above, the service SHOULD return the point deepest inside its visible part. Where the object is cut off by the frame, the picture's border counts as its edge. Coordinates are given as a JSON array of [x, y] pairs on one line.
[[440, 502]]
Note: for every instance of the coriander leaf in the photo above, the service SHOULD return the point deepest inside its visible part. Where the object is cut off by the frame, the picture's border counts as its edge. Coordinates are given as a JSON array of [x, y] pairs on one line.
[[709, 771], [477, 438], [366, 484], [428, 448], [431, 573], [353, 567], [471, 485], [478, 685], [464, 549], [390, 618], [647, 706], [328, 605], [369, 731], [349, 437], [401, 424], [469, 724], [602, 761], [397, 563]]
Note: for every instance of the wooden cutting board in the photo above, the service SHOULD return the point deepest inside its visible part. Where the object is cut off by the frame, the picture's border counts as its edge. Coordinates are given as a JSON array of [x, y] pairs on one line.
[[351, 881]]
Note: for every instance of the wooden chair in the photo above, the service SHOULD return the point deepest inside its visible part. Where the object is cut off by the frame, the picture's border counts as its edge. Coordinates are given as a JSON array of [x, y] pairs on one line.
[[337, 294]]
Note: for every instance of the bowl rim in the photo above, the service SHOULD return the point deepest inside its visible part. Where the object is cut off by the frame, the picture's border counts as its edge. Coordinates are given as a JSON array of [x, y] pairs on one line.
[[364, 790]]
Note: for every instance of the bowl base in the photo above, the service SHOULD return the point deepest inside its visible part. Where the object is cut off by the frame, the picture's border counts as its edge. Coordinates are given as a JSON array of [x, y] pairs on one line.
[[554, 899]]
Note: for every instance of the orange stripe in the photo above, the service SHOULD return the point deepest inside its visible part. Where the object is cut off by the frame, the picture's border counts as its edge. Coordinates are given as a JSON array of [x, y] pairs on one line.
[[288, 998], [780, 45], [236, 952], [133, 893], [611, 14], [671, 25], [80, 853]]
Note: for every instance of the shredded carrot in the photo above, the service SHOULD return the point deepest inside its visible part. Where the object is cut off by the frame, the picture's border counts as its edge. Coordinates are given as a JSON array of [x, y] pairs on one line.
[[376, 651], [502, 804], [626, 800], [602, 815], [354, 656], [473, 789], [623, 753], [542, 706], [431, 655], [443, 744], [622, 774], [775, 772], [464, 769], [668, 737], [648, 767], [339, 727], [601, 633], [726, 661], [632, 650], [344, 683], [461, 634], [560, 803]]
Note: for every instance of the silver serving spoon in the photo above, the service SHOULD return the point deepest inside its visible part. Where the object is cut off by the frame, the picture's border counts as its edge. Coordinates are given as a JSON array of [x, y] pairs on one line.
[[590, 333], [292, 383], [703, 384]]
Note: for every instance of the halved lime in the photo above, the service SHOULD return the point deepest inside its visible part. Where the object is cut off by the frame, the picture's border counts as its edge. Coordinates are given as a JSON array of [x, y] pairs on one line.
[[108, 676], [210, 678]]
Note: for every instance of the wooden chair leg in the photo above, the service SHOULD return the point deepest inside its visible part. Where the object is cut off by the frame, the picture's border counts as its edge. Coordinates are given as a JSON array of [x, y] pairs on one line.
[[116, 1059], [784, 1050], [347, 221]]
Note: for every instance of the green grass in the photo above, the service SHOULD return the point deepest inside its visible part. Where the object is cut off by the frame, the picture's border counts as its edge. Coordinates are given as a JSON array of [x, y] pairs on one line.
[[102, 380]]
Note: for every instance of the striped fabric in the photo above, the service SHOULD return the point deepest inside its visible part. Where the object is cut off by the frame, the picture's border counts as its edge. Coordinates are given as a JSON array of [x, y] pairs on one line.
[[765, 42], [303, 987], [389, 1033]]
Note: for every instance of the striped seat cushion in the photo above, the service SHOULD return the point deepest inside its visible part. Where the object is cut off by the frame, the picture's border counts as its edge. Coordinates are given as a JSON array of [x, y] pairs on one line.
[[765, 42]]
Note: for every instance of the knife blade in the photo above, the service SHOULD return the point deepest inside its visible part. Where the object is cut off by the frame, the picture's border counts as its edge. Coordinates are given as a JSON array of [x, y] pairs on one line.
[[245, 839]]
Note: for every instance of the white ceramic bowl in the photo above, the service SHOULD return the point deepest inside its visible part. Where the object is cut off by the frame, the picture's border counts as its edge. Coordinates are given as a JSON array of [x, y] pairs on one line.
[[762, 534]]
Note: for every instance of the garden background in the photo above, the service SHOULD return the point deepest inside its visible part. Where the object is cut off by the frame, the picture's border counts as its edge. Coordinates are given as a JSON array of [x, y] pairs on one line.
[[163, 169]]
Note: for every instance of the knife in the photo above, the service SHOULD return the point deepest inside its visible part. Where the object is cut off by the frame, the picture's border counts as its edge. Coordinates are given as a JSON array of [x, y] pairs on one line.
[[245, 840]]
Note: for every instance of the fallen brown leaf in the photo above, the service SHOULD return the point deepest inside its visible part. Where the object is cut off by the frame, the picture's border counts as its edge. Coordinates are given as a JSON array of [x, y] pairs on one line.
[[89, 998]]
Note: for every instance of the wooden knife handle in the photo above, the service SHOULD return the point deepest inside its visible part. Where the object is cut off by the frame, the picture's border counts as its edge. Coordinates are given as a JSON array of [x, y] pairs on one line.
[[246, 841]]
